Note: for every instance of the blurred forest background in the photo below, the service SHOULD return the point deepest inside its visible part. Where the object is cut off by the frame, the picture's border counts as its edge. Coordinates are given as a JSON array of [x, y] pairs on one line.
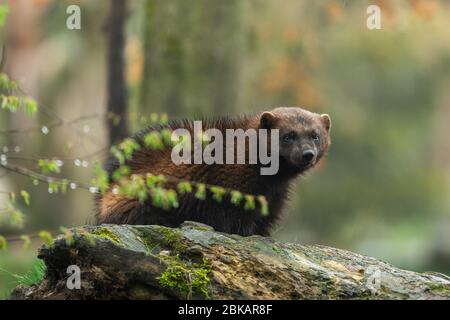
[[384, 188]]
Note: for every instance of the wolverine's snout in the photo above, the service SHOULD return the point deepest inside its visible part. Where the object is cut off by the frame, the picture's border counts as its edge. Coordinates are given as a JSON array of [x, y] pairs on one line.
[[308, 156]]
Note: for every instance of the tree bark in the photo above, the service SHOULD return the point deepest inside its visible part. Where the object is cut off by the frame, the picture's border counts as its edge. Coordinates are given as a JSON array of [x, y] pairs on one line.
[[154, 262], [117, 90]]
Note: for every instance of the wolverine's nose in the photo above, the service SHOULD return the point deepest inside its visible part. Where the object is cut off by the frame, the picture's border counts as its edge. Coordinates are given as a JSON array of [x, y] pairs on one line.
[[308, 156]]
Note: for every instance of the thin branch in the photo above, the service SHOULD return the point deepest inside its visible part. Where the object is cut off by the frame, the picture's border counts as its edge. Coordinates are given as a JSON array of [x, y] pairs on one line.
[[18, 238], [37, 158], [59, 121], [55, 125], [34, 235], [41, 177]]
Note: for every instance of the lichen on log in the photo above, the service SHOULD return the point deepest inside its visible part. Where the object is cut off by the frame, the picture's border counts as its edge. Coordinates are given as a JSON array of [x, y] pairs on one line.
[[195, 262]]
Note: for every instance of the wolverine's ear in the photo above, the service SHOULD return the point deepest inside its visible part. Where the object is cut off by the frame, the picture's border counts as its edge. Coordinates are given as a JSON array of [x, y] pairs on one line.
[[326, 121], [267, 120]]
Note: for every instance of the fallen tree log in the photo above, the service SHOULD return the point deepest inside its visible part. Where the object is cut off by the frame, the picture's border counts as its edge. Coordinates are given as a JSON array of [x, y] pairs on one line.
[[195, 262]]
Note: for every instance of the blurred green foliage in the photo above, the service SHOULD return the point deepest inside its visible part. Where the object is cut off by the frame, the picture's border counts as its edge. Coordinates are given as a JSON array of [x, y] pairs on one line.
[[383, 189]]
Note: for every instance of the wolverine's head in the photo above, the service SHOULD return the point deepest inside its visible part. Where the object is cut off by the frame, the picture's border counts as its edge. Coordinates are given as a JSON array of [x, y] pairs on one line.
[[304, 136]]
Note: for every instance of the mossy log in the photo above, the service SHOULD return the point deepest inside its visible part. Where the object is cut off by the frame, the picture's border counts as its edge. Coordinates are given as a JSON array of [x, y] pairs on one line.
[[195, 262]]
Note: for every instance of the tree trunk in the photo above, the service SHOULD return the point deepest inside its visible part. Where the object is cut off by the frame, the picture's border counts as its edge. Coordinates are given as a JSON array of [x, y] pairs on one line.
[[193, 53], [117, 90], [154, 262]]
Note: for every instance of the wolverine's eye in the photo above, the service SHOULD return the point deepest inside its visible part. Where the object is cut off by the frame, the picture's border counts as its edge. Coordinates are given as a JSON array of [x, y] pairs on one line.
[[315, 136], [288, 137]]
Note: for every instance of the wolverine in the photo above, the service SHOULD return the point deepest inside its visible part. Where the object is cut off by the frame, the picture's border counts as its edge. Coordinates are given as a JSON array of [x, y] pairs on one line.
[[303, 140]]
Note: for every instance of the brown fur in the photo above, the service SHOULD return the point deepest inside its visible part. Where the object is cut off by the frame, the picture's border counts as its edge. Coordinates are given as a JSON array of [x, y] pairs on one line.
[[246, 178]]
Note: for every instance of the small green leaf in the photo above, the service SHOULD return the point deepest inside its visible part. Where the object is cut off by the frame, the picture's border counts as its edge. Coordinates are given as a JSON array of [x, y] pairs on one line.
[[151, 180], [166, 137], [172, 198], [154, 118], [17, 219], [134, 188], [118, 154], [249, 202], [4, 11], [11, 103], [101, 179], [68, 234], [30, 106], [25, 196], [47, 166], [53, 187], [164, 118], [26, 241], [236, 197], [121, 172], [64, 183], [3, 243], [264, 205], [128, 147], [46, 237], [218, 193], [201, 191], [158, 197], [184, 187], [154, 141]]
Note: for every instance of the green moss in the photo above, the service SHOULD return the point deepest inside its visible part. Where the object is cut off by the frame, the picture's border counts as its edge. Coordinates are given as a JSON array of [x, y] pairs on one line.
[[277, 250], [149, 245], [190, 279], [172, 238], [440, 289], [106, 233]]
